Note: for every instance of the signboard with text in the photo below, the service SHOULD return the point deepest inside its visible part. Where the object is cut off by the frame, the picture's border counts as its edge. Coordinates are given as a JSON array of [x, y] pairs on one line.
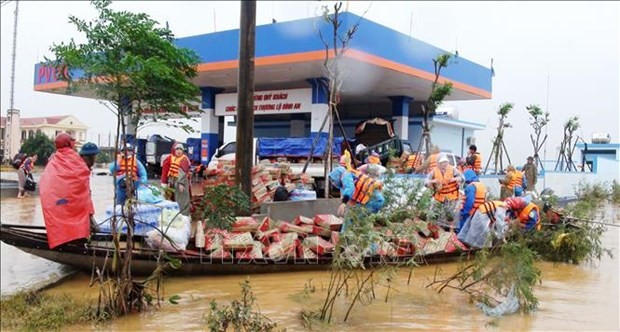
[[268, 102]]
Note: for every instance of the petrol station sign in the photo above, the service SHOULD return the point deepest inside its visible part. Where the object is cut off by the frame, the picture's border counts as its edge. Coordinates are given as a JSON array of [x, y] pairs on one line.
[[268, 102]]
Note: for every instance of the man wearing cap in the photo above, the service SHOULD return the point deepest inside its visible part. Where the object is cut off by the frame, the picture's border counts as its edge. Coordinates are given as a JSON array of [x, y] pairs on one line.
[[89, 152], [127, 167], [356, 188], [531, 173], [445, 180], [474, 159], [176, 175]]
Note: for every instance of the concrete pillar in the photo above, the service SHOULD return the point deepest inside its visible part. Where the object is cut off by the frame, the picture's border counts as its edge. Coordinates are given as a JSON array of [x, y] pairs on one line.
[[400, 114], [210, 124], [319, 105], [12, 129]]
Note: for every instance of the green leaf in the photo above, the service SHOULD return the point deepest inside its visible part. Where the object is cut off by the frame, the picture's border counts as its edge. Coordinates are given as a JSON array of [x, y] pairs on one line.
[[174, 299]]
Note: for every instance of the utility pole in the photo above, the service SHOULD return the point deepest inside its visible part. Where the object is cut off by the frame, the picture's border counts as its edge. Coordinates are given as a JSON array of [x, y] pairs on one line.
[[245, 98], [12, 128]]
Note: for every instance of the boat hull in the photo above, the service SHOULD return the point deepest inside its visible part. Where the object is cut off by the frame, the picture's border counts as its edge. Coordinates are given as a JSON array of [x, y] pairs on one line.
[[99, 253]]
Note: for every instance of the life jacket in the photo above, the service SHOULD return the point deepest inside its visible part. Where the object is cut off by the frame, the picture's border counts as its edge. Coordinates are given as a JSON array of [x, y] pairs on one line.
[[175, 164], [489, 209], [411, 159], [524, 215], [448, 191], [517, 180], [127, 166], [477, 166], [433, 162], [364, 187], [481, 192]]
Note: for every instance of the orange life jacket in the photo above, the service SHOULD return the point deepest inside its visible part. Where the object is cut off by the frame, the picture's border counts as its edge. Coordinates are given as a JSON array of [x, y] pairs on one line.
[[364, 187], [127, 166], [449, 190], [481, 193], [417, 158], [489, 209], [524, 216], [477, 167], [433, 162], [175, 164], [517, 180]]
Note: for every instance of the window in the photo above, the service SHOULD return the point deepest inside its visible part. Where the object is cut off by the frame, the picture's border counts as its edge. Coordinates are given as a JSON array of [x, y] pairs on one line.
[[38, 132], [30, 133], [23, 134]]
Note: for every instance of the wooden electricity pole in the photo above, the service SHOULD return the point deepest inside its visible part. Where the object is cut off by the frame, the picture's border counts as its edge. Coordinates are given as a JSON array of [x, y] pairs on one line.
[[245, 99]]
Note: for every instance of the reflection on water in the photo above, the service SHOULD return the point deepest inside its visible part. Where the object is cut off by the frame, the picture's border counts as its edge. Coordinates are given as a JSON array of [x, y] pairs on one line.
[[571, 297]]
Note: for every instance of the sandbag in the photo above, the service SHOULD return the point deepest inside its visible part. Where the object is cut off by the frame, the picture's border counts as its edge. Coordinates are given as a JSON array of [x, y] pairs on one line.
[[64, 190]]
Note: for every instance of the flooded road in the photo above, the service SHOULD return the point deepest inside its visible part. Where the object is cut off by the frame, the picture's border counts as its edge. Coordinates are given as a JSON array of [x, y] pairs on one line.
[[571, 297]]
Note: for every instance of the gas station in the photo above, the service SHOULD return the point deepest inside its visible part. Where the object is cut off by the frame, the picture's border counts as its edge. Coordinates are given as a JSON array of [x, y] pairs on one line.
[[386, 74]]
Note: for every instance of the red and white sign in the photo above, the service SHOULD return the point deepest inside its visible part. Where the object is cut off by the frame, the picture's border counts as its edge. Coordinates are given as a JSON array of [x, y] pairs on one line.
[[268, 102]]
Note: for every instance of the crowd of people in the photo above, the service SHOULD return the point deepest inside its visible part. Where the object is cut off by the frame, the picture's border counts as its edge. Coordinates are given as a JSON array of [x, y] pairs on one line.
[[459, 198]]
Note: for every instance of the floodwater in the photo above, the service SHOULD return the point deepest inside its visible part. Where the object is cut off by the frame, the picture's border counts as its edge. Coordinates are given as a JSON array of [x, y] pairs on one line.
[[571, 297]]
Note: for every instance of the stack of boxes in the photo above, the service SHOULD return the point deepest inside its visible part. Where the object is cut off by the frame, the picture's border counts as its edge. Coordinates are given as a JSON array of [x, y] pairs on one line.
[[266, 178], [311, 238]]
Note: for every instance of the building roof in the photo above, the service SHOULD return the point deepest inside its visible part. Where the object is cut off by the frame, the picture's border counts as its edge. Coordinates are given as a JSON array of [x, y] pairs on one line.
[[38, 121], [380, 62]]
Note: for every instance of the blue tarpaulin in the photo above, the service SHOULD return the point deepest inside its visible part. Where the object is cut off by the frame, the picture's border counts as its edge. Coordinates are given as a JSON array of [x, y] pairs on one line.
[[296, 147]]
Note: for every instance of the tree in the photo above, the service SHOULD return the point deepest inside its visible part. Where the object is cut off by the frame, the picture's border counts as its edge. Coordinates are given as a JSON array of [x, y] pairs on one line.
[[339, 45], [499, 148], [41, 145], [133, 64], [567, 147], [538, 121], [438, 93]]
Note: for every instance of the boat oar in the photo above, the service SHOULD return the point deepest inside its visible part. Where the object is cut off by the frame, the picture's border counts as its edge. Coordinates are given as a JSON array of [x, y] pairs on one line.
[[569, 219]]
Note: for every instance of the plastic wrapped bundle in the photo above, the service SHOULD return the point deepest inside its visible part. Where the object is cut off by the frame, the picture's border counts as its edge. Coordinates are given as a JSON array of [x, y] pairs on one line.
[[146, 217]]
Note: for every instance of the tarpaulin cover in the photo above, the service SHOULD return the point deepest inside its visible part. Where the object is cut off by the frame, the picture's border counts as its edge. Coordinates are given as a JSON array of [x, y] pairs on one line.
[[65, 198], [296, 147]]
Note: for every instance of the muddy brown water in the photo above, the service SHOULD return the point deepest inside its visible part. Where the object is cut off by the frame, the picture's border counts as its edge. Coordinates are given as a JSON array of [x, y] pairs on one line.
[[571, 297]]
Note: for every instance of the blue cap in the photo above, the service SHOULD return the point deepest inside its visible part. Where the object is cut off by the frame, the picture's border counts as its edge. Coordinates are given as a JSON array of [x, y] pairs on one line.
[[89, 149]]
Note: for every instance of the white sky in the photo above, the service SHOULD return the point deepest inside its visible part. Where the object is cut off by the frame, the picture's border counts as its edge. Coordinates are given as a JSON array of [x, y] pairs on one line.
[[573, 45]]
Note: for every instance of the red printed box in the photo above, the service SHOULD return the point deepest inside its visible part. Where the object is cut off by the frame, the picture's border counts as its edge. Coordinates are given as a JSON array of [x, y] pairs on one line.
[[318, 245], [328, 221]]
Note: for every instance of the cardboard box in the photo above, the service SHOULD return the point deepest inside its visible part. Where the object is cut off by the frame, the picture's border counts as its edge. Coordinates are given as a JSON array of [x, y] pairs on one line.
[[328, 221], [303, 220], [318, 245], [334, 238], [318, 230], [245, 224], [306, 253], [239, 241]]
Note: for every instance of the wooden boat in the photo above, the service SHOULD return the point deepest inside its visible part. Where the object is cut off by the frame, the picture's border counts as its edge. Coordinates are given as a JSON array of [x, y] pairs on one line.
[[98, 251]]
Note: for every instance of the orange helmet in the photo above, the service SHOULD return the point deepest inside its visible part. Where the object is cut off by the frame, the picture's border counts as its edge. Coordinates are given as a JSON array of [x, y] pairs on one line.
[[64, 140]]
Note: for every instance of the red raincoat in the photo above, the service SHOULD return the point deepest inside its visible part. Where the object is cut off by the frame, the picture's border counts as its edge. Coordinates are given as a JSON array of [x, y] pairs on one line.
[[65, 198]]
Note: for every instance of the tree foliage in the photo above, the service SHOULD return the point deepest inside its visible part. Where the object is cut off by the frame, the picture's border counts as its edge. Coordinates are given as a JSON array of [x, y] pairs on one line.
[[126, 56], [41, 145], [439, 91], [538, 121], [219, 205], [132, 63]]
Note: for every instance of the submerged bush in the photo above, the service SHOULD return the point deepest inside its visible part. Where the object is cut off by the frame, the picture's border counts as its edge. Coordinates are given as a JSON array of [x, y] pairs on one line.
[[240, 315], [570, 244], [40, 311]]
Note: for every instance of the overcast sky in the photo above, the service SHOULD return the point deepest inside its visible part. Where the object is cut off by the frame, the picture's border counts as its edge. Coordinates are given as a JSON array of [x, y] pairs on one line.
[[570, 47]]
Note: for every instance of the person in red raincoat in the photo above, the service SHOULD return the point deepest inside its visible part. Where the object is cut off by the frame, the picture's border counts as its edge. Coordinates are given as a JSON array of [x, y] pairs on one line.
[[65, 194], [176, 175]]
